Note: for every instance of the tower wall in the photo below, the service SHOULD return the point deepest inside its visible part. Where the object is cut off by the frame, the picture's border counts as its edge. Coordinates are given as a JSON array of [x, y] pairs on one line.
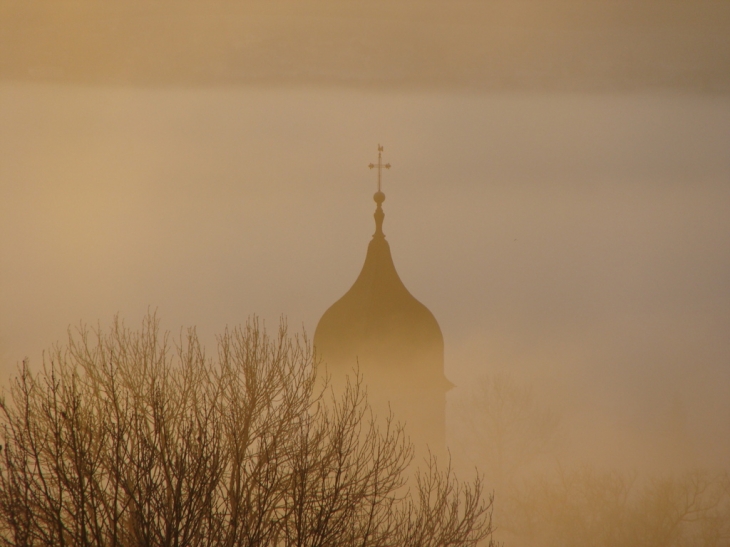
[[394, 341]]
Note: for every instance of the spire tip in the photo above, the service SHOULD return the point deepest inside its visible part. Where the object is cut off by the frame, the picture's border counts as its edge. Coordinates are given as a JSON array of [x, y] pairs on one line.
[[379, 196]]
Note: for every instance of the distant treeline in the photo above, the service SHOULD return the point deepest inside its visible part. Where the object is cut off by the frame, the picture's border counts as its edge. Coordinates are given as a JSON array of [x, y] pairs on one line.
[[554, 45], [502, 428]]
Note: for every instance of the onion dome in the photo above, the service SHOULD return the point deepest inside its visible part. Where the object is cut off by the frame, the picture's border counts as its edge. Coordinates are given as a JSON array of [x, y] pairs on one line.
[[380, 327]]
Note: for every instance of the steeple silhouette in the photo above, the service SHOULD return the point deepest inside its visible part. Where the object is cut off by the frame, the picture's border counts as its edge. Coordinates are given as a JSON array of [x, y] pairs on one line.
[[395, 341]]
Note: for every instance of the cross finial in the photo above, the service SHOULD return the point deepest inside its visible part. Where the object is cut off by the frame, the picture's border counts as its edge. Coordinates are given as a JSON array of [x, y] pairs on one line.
[[379, 196], [379, 165]]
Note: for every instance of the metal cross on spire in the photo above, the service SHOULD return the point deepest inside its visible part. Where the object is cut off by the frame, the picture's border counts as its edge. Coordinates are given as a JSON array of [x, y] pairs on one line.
[[379, 165]]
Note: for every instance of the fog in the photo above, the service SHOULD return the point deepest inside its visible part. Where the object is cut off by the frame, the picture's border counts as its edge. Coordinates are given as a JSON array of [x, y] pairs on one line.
[[579, 240], [573, 239], [493, 45]]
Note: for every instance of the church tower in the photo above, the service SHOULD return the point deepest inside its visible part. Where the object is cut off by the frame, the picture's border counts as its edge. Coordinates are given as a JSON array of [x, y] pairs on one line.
[[393, 339]]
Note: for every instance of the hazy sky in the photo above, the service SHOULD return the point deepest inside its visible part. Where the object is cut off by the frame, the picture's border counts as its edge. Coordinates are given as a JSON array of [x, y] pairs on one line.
[[487, 45], [580, 240]]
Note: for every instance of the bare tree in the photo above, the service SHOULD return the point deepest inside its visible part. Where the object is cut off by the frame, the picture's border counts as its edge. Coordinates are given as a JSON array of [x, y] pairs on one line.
[[126, 439]]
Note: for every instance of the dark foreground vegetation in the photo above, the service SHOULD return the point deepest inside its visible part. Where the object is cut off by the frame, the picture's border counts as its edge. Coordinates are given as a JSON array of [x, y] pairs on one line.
[[124, 438]]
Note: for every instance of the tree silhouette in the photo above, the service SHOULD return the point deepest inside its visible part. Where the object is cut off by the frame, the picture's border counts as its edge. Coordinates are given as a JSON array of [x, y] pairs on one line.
[[126, 439]]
